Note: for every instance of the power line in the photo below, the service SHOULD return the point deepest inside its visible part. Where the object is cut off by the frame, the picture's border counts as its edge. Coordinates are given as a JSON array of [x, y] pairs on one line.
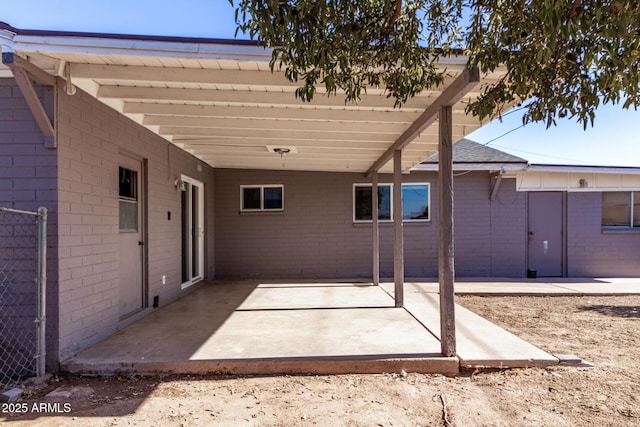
[[546, 155], [512, 130], [504, 134]]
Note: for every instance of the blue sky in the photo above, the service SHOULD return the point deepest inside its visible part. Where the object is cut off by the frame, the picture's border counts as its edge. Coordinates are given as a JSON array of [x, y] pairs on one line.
[[614, 140], [188, 18]]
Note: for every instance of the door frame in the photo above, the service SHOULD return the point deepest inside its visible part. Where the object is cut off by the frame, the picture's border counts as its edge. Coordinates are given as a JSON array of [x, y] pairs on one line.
[[563, 238], [201, 232], [143, 205]]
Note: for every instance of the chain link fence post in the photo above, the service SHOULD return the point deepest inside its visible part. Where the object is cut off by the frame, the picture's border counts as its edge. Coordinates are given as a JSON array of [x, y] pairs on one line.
[[23, 253], [41, 284]]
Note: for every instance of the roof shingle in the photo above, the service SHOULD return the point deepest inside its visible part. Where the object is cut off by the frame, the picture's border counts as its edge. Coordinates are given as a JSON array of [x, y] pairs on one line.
[[467, 151]]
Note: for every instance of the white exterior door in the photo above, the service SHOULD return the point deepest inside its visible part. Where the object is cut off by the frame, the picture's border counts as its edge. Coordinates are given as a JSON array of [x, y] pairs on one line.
[[131, 242]]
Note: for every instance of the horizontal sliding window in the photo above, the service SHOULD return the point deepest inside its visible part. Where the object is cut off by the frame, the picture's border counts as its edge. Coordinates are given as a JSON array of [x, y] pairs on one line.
[[415, 202], [255, 198], [621, 209]]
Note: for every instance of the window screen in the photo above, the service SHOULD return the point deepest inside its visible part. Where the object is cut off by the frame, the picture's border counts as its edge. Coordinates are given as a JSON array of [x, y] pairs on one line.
[[616, 209]]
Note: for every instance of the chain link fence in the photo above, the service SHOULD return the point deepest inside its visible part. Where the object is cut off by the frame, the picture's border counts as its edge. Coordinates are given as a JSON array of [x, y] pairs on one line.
[[22, 294]]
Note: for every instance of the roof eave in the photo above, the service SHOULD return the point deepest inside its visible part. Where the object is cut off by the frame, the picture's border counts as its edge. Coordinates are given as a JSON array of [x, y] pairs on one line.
[[631, 170]]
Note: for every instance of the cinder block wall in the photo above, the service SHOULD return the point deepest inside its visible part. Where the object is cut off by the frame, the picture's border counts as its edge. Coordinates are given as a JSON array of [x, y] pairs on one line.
[[315, 236], [593, 252], [28, 180], [472, 225], [91, 137], [508, 225]]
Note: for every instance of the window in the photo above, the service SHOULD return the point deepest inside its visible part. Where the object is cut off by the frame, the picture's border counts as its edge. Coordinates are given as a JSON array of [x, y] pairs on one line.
[[415, 202], [128, 198], [363, 207], [621, 209], [261, 198]]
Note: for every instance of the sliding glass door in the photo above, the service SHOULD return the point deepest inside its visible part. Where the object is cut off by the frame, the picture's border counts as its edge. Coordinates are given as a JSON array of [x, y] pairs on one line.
[[192, 201]]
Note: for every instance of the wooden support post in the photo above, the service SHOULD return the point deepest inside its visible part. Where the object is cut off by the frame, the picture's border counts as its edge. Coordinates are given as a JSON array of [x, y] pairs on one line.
[[446, 272], [398, 244], [374, 226]]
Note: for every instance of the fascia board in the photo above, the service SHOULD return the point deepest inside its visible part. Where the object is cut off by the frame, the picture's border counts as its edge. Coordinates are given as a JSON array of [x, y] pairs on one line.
[[112, 46], [586, 169]]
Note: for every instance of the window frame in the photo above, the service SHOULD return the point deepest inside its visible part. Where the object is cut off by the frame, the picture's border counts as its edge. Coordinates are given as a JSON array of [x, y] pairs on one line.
[[193, 240], [353, 203], [428, 219], [390, 185], [632, 225], [262, 188], [129, 200]]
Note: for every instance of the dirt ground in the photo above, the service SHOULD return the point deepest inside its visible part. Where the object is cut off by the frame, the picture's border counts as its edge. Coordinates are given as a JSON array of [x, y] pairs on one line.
[[602, 330]]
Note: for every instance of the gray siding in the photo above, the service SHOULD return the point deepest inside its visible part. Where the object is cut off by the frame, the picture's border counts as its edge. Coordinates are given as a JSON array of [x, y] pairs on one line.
[[315, 236], [28, 180], [509, 231], [90, 138], [593, 252]]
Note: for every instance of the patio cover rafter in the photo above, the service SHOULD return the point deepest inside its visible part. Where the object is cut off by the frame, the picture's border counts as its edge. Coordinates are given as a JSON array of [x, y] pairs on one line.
[[469, 78], [300, 112], [262, 96]]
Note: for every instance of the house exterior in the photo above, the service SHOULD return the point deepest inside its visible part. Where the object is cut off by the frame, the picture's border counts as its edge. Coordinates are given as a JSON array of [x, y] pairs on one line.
[[167, 162], [574, 220]]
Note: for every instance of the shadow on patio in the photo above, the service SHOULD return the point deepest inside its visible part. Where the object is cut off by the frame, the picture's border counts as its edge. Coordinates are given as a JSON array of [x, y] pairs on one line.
[[248, 327]]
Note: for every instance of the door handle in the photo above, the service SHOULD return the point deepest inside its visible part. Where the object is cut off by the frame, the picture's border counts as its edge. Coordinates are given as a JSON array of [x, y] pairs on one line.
[[140, 243]]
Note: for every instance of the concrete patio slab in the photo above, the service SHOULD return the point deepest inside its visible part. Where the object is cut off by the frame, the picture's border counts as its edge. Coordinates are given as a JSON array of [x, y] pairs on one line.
[[529, 287], [251, 328], [480, 343], [602, 286], [281, 296]]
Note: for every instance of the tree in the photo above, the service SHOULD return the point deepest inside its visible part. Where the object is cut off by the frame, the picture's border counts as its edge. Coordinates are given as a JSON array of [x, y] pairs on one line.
[[565, 57]]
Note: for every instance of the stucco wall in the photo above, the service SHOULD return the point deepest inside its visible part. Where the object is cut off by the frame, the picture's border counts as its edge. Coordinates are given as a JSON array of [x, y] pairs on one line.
[[593, 252], [91, 137], [28, 181], [315, 236]]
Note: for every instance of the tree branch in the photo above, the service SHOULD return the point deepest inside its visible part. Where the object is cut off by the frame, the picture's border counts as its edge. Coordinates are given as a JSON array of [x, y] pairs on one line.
[[396, 12]]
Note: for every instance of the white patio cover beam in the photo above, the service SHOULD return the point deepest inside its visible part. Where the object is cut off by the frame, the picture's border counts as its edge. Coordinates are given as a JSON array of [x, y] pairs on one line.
[[452, 94], [234, 97], [38, 75]]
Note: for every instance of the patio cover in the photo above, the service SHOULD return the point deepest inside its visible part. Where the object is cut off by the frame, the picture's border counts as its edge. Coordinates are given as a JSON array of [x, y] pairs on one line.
[[219, 100]]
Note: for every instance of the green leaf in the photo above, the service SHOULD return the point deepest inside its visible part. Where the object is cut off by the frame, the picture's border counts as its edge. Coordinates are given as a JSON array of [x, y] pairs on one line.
[[571, 54]]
